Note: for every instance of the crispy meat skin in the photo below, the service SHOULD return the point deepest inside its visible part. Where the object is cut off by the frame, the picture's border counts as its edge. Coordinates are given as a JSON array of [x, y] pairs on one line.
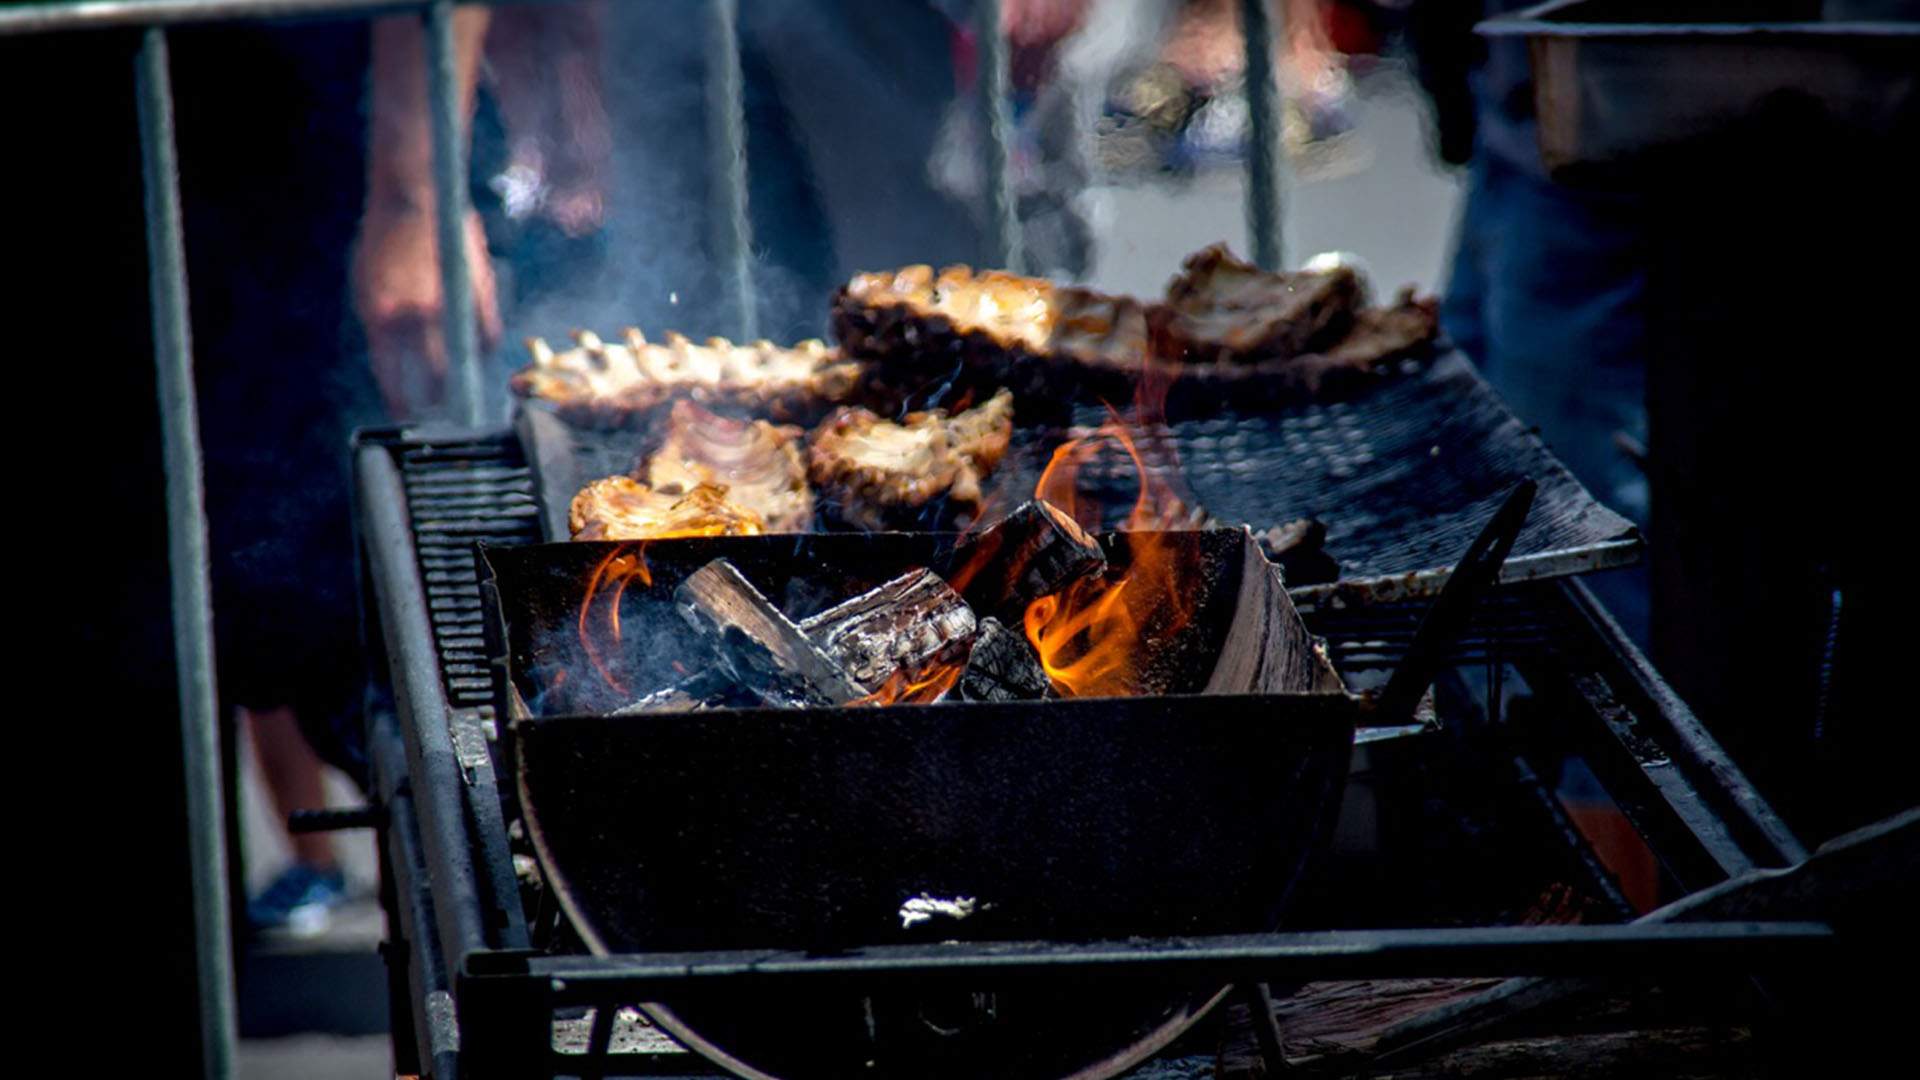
[[609, 384], [758, 464], [878, 473], [622, 508], [991, 329], [1221, 309]]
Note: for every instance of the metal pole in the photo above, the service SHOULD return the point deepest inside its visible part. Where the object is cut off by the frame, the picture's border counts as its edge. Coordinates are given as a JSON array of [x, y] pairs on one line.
[[187, 553], [996, 128], [727, 135], [1263, 149], [450, 209]]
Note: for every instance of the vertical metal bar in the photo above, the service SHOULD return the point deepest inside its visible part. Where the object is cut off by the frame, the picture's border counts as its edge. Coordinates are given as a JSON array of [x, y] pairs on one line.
[[1263, 150], [450, 209], [996, 130], [187, 552], [727, 137]]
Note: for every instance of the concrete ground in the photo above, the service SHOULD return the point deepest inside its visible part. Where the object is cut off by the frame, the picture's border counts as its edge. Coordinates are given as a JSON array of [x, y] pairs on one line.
[[1380, 197]]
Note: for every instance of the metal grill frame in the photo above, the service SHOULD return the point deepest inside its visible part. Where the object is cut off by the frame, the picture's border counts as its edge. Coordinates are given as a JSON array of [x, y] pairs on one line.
[[173, 352], [478, 999]]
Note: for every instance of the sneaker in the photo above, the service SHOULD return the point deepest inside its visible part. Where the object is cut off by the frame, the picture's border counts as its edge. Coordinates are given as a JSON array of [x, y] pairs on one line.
[[299, 902]]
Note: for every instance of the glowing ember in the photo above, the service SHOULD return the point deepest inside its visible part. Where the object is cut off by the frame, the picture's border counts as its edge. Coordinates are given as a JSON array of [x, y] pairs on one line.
[[921, 688]]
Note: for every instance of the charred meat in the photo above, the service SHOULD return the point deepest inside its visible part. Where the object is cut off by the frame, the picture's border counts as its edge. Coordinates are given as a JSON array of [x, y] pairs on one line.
[[616, 384], [622, 508], [758, 464], [878, 474], [991, 329], [1220, 309]]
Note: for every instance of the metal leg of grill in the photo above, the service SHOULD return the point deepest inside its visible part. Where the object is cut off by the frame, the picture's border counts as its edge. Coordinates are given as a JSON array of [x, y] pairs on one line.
[[187, 550], [450, 208], [996, 129], [1263, 150]]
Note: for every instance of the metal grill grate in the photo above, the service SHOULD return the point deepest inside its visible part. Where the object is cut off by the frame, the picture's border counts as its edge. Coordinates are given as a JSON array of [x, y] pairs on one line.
[[459, 492]]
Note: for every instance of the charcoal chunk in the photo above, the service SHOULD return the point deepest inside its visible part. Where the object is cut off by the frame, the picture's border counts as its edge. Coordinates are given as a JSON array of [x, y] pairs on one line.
[[762, 649], [1035, 551], [1003, 667], [913, 622]]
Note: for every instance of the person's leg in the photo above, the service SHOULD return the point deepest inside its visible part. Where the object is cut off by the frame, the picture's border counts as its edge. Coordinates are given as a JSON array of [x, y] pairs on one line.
[[292, 772]]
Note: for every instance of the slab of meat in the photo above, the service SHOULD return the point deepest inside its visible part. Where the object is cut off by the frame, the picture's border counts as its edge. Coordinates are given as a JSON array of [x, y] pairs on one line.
[[991, 329], [758, 464], [608, 384], [622, 508], [1220, 309], [879, 474]]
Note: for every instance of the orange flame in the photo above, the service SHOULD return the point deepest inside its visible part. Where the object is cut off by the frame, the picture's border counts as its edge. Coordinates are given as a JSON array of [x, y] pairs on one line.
[[921, 688], [621, 566], [1089, 637]]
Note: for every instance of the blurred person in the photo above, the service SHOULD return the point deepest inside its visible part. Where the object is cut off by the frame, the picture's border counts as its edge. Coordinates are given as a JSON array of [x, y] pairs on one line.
[[315, 295], [1547, 290], [1191, 99]]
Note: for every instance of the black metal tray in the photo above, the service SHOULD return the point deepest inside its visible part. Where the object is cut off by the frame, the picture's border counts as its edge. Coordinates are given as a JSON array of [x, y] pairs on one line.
[[1403, 473]]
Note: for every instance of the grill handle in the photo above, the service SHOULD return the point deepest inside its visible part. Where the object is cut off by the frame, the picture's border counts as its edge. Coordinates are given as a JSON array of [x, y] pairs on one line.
[[1447, 619]]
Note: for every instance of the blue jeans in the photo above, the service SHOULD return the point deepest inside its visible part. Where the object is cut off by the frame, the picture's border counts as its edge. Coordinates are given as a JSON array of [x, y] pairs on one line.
[[1547, 295]]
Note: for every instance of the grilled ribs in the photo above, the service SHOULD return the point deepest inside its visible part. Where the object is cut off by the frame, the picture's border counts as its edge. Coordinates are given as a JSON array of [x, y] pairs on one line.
[[758, 464], [622, 508], [606, 384], [1220, 309], [881, 474], [993, 329]]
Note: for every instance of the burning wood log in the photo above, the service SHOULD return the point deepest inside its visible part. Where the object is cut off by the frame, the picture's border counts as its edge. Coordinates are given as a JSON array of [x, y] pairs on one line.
[[1035, 551], [1003, 667], [758, 645], [913, 622]]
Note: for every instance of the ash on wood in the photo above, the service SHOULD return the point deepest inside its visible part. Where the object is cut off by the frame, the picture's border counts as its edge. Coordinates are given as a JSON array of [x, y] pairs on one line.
[[707, 690], [911, 622], [1035, 551], [1003, 667], [761, 648]]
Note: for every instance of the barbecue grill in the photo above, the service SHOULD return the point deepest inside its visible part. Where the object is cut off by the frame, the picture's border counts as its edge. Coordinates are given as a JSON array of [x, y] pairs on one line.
[[491, 979]]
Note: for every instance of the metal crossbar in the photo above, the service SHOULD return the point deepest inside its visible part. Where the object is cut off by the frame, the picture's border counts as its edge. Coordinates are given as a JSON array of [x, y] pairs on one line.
[[188, 545]]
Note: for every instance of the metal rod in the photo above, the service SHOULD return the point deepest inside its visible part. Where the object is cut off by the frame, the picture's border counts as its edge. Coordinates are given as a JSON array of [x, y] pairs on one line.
[[432, 765], [996, 133], [103, 14], [727, 138], [187, 553], [1636, 949], [1263, 150], [450, 214]]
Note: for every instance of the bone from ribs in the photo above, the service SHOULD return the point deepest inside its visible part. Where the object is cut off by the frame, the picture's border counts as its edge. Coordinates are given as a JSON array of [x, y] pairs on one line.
[[911, 624], [1220, 309], [1033, 552], [607, 384], [622, 508], [758, 464], [879, 474], [758, 645]]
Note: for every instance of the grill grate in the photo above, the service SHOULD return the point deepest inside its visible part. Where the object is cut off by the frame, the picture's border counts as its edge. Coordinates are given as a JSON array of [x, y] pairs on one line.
[[1404, 474], [459, 492]]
